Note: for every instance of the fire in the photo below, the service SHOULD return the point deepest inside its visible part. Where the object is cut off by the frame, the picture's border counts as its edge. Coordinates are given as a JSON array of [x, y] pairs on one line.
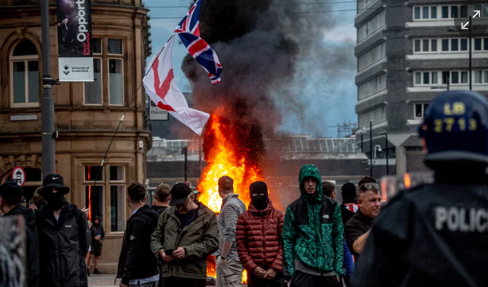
[[225, 158], [226, 155]]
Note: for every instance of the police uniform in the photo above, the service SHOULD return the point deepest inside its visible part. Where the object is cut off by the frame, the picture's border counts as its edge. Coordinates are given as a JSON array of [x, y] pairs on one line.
[[436, 234]]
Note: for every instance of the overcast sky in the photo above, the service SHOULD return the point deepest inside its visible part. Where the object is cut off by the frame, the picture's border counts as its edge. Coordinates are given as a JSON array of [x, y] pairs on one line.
[[331, 99]]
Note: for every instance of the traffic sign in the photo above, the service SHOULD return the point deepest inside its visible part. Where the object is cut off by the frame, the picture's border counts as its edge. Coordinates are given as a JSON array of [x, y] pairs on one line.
[[18, 174]]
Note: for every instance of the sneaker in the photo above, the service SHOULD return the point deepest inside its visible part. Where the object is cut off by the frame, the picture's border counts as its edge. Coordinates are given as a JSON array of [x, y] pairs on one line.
[[96, 271], [88, 271]]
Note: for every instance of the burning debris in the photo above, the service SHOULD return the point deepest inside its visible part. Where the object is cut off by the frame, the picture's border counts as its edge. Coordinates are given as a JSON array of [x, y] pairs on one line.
[[258, 43]]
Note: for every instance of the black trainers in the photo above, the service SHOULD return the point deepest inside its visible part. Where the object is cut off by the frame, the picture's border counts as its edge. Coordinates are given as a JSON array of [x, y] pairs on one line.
[[96, 271], [88, 271]]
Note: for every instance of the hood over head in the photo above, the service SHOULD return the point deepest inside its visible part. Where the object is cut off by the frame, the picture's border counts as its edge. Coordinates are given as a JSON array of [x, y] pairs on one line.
[[310, 170]]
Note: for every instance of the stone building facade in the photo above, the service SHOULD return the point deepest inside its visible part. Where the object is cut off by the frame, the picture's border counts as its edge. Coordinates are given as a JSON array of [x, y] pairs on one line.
[[408, 53], [86, 114]]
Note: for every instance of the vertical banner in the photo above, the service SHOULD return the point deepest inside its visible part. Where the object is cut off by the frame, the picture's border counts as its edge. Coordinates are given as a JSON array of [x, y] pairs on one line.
[[75, 59]]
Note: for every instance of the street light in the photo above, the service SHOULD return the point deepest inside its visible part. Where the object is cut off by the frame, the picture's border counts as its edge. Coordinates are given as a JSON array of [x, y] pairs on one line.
[[377, 148], [386, 152], [453, 29]]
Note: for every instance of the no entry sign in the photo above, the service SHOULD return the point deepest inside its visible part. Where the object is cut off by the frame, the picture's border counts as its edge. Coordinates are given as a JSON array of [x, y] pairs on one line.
[[18, 174]]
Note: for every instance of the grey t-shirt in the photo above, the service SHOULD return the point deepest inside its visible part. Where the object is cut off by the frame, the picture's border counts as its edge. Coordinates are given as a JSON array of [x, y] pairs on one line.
[[232, 207]]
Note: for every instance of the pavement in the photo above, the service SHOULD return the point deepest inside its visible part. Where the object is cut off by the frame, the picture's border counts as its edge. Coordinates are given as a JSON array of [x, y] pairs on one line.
[[107, 280], [102, 280]]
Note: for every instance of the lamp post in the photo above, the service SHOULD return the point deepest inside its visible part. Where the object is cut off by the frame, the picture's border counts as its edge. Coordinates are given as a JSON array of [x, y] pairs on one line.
[[371, 147], [386, 152], [47, 100]]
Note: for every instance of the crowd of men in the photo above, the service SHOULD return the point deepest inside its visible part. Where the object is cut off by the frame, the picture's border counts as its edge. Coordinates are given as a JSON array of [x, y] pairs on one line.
[[429, 235]]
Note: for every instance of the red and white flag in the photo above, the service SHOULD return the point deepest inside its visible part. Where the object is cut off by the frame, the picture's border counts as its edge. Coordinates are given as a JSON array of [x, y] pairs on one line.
[[161, 87]]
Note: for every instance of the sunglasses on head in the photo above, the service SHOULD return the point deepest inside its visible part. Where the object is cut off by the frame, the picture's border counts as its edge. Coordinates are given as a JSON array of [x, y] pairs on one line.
[[370, 185]]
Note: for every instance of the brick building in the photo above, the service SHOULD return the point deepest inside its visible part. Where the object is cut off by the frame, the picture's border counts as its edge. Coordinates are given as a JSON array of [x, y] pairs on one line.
[[86, 114]]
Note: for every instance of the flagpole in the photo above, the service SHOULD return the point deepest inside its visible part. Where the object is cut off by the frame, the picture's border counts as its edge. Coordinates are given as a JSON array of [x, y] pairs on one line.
[[125, 112]]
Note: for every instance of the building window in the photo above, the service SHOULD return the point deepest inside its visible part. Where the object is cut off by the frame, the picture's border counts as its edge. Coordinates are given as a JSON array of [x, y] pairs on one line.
[[372, 87], [425, 12], [416, 12], [376, 116], [419, 110], [372, 56], [116, 85], [363, 4], [93, 90], [433, 46], [454, 12], [371, 27], [445, 12], [454, 45], [113, 179], [425, 45], [425, 78], [24, 71], [109, 64], [445, 45], [464, 11], [464, 44], [480, 77]]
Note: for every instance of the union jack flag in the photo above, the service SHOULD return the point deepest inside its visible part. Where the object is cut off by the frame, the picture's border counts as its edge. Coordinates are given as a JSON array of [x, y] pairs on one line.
[[189, 32], [190, 23]]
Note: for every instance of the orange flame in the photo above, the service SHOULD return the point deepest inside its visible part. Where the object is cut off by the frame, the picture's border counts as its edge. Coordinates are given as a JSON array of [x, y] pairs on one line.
[[223, 159]]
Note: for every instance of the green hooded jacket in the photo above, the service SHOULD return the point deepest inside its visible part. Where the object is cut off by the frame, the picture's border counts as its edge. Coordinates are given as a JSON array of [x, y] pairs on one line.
[[313, 232]]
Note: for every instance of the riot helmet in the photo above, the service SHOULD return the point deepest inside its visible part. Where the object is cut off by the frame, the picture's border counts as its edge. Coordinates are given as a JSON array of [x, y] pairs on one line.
[[455, 128]]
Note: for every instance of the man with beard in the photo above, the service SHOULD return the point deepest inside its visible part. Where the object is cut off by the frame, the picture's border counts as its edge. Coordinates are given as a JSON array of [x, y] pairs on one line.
[[435, 234], [186, 234], [63, 237], [259, 239], [313, 236], [11, 195]]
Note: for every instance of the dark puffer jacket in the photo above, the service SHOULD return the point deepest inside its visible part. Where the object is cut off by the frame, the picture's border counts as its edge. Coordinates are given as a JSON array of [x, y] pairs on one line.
[[63, 246], [259, 238]]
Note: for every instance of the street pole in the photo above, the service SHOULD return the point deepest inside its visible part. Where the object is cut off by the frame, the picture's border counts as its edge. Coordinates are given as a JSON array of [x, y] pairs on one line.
[[470, 53], [386, 154], [371, 147], [185, 150], [47, 100]]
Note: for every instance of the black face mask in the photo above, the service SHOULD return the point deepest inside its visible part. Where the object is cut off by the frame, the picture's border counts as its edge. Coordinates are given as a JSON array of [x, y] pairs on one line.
[[260, 202], [55, 200]]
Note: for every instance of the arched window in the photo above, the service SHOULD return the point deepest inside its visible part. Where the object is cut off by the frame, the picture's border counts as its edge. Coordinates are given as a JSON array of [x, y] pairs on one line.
[[24, 75]]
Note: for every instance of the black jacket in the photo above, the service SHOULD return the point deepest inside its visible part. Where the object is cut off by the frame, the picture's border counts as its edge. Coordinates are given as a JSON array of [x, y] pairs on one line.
[[136, 260], [95, 230], [345, 212], [32, 243], [432, 235], [159, 209], [63, 246]]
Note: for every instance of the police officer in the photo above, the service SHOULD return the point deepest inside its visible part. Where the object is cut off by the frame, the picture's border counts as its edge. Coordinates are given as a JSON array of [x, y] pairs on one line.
[[436, 234]]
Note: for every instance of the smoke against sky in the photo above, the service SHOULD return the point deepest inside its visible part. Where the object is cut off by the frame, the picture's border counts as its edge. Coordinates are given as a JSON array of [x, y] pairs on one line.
[[315, 92]]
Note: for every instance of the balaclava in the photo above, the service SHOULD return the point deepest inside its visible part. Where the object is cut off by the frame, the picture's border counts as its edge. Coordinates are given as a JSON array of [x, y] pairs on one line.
[[55, 200], [260, 202]]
